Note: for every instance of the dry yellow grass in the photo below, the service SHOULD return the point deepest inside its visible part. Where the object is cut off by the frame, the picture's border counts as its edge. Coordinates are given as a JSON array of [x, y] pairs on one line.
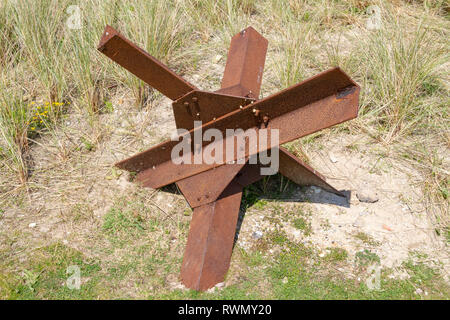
[[66, 161]]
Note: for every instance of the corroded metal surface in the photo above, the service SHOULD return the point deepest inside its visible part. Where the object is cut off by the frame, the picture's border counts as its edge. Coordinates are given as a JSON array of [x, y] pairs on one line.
[[207, 186], [245, 63], [284, 110], [210, 240], [215, 190], [216, 205], [141, 64], [204, 106], [244, 67]]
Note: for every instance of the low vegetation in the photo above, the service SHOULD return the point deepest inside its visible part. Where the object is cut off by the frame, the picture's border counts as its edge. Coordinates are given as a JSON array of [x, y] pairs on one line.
[[64, 109]]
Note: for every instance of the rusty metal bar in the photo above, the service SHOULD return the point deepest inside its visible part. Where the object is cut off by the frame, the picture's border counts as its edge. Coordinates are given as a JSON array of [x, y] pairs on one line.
[[122, 51], [207, 186], [252, 60], [215, 190], [245, 63], [337, 102], [246, 174], [206, 261], [213, 226], [205, 106], [210, 240]]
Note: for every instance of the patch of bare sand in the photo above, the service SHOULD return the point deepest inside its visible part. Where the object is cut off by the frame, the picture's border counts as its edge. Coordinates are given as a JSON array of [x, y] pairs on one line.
[[397, 223]]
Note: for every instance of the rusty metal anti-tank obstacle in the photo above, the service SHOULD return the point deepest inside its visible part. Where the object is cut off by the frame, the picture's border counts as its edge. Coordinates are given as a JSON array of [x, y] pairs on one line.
[[214, 191]]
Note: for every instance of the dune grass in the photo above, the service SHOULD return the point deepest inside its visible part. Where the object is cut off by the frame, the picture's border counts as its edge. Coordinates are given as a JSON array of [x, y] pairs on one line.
[[402, 67]]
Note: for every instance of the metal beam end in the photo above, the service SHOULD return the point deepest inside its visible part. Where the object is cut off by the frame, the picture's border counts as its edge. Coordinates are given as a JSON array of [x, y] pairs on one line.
[[108, 33]]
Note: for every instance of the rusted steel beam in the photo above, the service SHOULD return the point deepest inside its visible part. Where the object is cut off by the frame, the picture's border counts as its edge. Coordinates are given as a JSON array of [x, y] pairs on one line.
[[325, 100], [213, 104], [210, 241], [215, 190], [206, 261], [290, 166], [248, 54], [245, 63], [213, 226], [207, 186], [205, 106], [122, 51]]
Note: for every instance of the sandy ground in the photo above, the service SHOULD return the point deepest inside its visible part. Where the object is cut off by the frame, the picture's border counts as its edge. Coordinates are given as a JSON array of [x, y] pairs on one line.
[[398, 221]]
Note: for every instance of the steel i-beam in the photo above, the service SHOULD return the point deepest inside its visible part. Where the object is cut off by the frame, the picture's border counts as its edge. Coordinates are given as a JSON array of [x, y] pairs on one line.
[[215, 190]]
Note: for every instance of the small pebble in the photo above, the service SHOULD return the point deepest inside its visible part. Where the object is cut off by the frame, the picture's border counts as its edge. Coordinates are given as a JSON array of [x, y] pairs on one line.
[[333, 159], [257, 235], [44, 229], [315, 189], [358, 222], [32, 225], [354, 199], [367, 197]]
